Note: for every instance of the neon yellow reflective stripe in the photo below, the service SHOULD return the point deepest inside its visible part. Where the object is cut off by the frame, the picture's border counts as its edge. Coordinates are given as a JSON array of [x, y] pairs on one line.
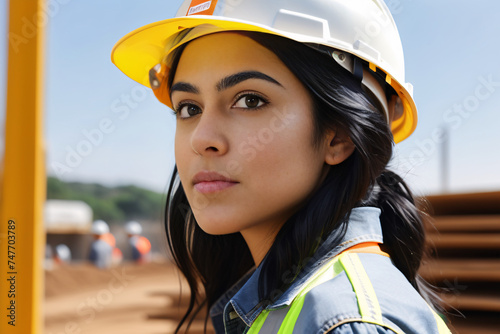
[[294, 312], [329, 271], [291, 317], [258, 323], [369, 307], [442, 328]]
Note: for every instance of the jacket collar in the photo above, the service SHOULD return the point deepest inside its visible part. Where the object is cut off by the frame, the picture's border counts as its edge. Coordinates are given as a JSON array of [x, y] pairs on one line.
[[242, 300]]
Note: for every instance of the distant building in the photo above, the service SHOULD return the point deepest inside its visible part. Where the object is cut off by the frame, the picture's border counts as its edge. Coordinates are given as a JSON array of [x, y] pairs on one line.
[[69, 223], [63, 216]]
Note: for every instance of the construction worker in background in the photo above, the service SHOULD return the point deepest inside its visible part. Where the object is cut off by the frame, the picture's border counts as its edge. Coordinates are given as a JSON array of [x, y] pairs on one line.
[[62, 254], [117, 255], [139, 246], [103, 251], [100, 250]]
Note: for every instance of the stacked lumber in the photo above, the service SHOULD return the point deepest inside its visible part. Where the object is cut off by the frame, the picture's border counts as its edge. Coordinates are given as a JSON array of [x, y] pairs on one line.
[[464, 259]]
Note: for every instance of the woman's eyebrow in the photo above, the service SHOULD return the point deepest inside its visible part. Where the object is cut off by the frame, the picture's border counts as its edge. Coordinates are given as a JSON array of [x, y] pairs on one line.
[[225, 83], [235, 79], [184, 87]]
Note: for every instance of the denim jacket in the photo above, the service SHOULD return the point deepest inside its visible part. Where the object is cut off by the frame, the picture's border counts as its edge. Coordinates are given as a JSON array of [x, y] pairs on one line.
[[333, 303]]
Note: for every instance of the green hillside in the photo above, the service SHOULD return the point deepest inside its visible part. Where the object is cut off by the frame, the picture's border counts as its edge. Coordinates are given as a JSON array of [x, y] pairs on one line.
[[114, 205]]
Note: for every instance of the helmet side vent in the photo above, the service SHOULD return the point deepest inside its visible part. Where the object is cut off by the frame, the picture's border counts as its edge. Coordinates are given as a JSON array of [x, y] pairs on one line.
[[303, 24]]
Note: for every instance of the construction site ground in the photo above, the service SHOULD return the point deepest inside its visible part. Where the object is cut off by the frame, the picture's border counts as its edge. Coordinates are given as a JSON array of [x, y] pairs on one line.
[[126, 299]]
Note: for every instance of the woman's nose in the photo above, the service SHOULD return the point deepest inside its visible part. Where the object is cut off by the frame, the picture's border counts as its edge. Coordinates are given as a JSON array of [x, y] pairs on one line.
[[208, 137]]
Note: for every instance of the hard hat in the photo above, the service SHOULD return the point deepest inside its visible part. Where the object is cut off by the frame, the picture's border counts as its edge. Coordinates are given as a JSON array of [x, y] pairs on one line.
[[133, 228], [99, 227], [364, 29]]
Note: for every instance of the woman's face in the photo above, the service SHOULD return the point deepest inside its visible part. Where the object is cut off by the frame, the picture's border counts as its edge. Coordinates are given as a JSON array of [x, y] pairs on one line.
[[242, 114]]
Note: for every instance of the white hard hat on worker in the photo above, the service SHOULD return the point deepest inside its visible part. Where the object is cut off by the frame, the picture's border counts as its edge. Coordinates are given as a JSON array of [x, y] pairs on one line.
[[99, 227], [133, 228], [353, 31]]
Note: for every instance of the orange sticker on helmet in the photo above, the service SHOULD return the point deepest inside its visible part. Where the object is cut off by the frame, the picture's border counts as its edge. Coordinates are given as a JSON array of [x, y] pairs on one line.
[[201, 7]]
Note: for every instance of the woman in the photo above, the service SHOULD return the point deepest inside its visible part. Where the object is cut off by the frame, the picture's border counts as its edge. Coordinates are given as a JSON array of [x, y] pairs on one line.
[[281, 213]]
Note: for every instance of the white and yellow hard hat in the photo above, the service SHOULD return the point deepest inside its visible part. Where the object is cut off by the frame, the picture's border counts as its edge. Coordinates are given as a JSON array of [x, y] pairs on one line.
[[361, 28]]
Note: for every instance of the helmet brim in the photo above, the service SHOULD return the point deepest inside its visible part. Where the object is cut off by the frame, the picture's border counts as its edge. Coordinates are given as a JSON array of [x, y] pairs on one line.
[[137, 52]]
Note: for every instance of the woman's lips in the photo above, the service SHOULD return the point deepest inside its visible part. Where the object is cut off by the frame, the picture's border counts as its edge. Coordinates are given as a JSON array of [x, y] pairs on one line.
[[210, 182], [207, 187]]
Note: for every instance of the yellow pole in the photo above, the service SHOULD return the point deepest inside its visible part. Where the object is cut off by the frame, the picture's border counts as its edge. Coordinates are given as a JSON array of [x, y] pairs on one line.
[[23, 188]]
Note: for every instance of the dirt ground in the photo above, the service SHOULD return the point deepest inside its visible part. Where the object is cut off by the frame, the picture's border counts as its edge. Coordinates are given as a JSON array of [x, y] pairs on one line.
[[128, 299]]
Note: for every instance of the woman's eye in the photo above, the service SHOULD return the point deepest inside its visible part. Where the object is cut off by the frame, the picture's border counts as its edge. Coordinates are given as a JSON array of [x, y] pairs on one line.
[[249, 101], [188, 110]]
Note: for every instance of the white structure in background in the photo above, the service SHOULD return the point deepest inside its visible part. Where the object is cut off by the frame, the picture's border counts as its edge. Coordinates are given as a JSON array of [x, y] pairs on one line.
[[67, 216], [68, 223]]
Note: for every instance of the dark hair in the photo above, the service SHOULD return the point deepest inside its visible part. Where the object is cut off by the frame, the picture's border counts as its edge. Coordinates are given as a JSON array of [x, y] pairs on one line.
[[339, 102]]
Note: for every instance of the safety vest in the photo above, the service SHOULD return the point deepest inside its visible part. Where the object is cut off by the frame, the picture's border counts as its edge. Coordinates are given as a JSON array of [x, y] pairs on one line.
[[140, 248], [283, 321]]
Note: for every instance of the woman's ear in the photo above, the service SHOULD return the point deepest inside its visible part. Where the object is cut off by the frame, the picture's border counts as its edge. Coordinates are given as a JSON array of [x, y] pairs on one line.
[[339, 147]]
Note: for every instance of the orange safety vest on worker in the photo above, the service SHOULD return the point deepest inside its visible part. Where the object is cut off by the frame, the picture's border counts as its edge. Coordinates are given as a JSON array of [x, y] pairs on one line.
[[141, 248], [116, 255]]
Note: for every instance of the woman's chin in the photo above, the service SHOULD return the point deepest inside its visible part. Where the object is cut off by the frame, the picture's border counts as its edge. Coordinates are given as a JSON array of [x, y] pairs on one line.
[[216, 228]]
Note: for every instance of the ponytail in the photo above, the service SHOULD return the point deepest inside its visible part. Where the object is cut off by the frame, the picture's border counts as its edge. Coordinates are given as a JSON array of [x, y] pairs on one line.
[[402, 224], [403, 230]]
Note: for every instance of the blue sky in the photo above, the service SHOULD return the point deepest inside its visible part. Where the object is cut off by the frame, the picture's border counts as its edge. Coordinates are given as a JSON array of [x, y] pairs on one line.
[[451, 52]]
